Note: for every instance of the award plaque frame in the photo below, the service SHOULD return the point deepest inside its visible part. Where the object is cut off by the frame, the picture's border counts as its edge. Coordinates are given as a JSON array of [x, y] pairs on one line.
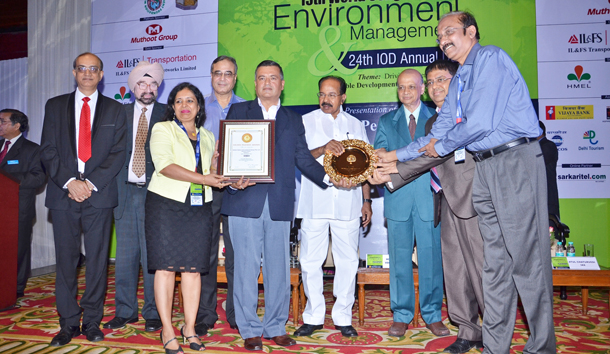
[[247, 148], [356, 163]]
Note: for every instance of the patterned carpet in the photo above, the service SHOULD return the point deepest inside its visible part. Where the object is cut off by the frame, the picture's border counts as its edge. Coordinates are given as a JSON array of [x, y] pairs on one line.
[[30, 328]]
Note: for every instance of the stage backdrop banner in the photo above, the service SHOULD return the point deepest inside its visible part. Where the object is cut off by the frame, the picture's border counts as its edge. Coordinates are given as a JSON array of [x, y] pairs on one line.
[[574, 94], [181, 35], [368, 43]]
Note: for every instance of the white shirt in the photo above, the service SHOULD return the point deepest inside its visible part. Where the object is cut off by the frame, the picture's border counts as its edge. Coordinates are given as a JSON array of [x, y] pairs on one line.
[[137, 111], [13, 141], [415, 113], [78, 106], [272, 112], [330, 203]]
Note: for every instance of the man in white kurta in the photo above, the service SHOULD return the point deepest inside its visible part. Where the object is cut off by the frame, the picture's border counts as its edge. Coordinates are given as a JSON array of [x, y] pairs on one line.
[[336, 208]]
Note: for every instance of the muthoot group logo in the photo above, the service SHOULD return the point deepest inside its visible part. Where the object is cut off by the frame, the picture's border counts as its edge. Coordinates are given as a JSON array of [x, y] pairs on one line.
[[154, 33]]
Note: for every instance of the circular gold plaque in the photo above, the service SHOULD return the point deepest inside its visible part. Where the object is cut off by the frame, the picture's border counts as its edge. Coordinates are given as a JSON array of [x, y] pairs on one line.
[[355, 164]]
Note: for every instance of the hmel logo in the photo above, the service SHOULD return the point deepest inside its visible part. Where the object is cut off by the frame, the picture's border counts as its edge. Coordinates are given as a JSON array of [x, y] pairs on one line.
[[153, 7], [154, 30], [579, 75], [590, 135], [122, 95]]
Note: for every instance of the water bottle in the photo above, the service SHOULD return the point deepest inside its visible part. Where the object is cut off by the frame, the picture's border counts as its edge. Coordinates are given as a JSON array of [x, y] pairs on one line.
[[571, 249], [559, 252]]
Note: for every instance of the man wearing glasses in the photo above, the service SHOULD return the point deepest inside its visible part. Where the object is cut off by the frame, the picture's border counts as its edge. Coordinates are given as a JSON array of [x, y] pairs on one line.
[[488, 111], [217, 105], [82, 149], [336, 208], [461, 241], [132, 182]]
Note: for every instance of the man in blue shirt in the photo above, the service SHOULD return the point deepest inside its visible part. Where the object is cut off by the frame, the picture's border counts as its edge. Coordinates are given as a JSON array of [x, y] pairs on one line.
[[488, 111], [217, 104]]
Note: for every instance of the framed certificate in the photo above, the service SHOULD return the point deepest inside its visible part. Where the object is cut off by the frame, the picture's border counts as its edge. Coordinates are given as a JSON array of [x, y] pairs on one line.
[[247, 148]]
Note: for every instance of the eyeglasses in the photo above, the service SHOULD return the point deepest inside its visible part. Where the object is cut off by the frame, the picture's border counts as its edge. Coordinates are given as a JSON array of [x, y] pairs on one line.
[[332, 96], [4, 122], [220, 74], [84, 69], [447, 32], [438, 80], [143, 85]]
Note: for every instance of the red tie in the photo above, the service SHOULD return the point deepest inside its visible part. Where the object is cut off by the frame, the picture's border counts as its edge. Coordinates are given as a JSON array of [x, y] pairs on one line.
[[84, 132], [5, 150]]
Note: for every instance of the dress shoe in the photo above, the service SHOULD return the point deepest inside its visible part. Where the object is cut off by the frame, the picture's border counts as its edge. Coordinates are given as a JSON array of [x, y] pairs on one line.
[[438, 329], [119, 322], [152, 325], [307, 329], [283, 340], [398, 329], [201, 329], [20, 294], [65, 335], [463, 346], [254, 343], [93, 332], [347, 331]]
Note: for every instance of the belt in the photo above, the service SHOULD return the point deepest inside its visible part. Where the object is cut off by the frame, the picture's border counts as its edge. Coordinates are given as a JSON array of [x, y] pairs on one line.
[[137, 184], [485, 154]]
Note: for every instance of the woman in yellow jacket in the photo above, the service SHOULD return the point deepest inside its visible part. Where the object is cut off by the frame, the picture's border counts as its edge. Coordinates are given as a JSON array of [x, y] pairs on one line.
[[178, 209]]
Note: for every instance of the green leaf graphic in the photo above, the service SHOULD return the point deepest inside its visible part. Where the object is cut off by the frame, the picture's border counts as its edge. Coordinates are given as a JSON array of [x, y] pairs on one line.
[[117, 97], [585, 77], [127, 95]]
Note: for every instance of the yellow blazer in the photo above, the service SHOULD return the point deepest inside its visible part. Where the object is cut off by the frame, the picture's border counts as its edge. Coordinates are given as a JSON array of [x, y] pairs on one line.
[[169, 144]]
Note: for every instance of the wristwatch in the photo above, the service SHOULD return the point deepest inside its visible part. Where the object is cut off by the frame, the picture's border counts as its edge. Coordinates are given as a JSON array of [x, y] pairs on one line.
[[368, 201]]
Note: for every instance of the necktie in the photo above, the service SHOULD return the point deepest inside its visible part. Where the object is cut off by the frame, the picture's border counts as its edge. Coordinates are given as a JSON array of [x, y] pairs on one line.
[[5, 150], [84, 132], [435, 182], [458, 112], [138, 165], [412, 125]]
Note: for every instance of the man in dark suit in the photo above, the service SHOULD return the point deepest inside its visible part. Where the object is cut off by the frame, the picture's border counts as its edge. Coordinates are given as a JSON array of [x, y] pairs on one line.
[[82, 149], [260, 215], [20, 158], [132, 182], [410, 218], [461, 241]]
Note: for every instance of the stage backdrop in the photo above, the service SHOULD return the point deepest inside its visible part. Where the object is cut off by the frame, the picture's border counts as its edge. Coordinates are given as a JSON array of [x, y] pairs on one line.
[[574, 104]]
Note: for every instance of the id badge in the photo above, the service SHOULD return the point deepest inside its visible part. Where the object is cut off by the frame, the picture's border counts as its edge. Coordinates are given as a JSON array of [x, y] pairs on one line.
[[196, 194], [460, 155]]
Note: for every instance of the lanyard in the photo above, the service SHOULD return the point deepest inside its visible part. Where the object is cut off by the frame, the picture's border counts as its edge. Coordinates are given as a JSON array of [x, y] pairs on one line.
[[197, 148], [458, 118]]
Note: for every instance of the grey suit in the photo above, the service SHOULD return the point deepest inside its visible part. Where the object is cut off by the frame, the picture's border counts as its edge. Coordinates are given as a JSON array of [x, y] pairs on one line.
[[461, 241], [129, 222]]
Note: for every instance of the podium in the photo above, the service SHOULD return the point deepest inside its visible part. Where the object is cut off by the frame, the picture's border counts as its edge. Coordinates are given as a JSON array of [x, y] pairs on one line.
[[9, 233]]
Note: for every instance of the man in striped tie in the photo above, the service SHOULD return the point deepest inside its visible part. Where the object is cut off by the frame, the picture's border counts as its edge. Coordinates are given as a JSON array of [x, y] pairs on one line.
[[82, 149], [461, 241]]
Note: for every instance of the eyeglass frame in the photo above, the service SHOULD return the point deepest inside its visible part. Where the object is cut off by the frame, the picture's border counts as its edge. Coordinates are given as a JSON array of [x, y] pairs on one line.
[[445, 34], [142, 83], [2, 122], [440, 80], [332, 95], [83, 69], [227, 74]]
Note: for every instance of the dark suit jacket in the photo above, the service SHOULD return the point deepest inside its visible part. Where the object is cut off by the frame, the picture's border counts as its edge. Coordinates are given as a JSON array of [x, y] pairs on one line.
[[58, 150], [551, 155], [156, 116], [290, 150], [393, 133], [456, 179], [26, 167]]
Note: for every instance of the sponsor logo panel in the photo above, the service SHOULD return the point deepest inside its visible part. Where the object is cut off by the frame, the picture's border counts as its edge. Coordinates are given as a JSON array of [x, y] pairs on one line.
[[569, 112]]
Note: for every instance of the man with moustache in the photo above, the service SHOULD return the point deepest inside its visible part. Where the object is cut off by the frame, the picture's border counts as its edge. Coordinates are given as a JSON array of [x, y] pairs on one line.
[[260, 215], [488, 111], [461, 241], [217, 105], [334, 208], [410, 217], [82, 149], [20, 158], [132, 182]]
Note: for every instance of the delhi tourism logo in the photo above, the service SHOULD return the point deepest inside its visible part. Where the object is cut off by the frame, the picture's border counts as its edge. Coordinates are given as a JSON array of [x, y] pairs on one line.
[[578, 74], [122, 95], [590, 135], [153, 7]]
